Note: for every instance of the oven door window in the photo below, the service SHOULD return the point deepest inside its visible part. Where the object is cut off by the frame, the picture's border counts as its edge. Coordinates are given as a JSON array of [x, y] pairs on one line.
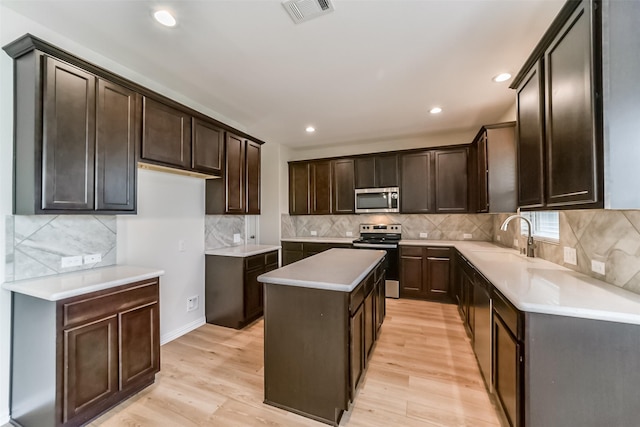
[[372, 201]]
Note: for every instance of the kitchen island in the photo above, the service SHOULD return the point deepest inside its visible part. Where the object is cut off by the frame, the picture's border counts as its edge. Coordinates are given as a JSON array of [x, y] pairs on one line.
[[322, 317]]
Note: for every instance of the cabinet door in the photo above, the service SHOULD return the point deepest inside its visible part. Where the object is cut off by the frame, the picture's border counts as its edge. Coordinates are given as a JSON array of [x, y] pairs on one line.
[[451, 181], [386, 170], [356, 348], [208, 147], [416, 191], [530, 139], [166, 134], [299, 188], [343, 186], [320, 191], [90, 368], [369, 323], [507, 371], [117, 121], [437, 270], [573, 138], [139, 344], [68, 146], [365, 172], [235, 174], [381, 304], [253, 178], [481, 184], [252, 294], [411, 277]]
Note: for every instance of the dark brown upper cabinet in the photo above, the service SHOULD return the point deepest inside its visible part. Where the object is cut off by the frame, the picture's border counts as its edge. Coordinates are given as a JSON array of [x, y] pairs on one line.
[[207, 147], [166, 134], [376, 171], [343, 186], [320, 187], [494, 169], [75, 139], [299, 188], [559, 95], [416, 183], [238, 192], [451, 180]]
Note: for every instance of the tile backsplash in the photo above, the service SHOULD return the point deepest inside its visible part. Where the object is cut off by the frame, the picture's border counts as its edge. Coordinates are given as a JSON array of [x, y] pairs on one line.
[[609, 236], [219, 230], [437, 227], [35, 244]]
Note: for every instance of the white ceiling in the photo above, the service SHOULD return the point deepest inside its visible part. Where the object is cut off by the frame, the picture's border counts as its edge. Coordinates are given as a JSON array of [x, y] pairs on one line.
[[370, 70]]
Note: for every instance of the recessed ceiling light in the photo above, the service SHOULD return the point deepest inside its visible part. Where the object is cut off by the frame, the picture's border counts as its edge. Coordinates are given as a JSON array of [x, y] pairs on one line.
[[310, 129], [165, 18], [502, 77], [435, 110]]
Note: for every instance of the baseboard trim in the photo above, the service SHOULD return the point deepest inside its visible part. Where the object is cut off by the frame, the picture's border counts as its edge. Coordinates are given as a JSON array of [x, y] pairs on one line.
[[168, 337], [4, 419]]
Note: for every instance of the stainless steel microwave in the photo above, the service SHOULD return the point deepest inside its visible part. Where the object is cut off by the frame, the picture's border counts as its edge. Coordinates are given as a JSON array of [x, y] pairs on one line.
[[372, 200]]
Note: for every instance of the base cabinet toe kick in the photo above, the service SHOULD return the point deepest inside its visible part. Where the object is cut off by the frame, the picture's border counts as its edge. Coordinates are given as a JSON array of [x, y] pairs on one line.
[[318, 343]]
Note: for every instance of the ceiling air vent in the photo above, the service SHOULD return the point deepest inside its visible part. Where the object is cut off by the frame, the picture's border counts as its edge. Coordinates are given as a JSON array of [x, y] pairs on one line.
[[303, 10]]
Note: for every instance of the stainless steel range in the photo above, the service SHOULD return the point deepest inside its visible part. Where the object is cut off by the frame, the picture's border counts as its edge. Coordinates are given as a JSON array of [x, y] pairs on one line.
[[387, 237]]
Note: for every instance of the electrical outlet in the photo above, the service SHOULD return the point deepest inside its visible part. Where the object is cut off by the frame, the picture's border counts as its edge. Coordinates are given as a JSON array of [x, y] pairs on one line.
[[71, 261], [92, 259], [314, 233], [424, 235], [237, 238], [597, 267], [181, 246], [349, 233], [467, 236], [516, 243], [570, 256], [192, 303], [498, 238]]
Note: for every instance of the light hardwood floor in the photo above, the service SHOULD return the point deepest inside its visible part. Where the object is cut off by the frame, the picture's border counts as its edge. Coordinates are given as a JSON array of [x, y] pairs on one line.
[[422, 373]]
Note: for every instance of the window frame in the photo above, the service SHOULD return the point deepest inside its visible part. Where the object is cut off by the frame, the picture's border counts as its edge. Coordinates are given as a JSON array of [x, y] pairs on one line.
[[545, 220]]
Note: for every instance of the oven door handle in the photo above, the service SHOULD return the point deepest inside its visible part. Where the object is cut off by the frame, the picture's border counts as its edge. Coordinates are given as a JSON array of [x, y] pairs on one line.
[[374, 245]]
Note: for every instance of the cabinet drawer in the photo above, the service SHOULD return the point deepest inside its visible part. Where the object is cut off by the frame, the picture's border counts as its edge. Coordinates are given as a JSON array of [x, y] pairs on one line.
[[271, 258], [411, 251], [438, 252], [509, 314], [292, 246], [356, 297], [101, 304], [369, 283], [254, 262]]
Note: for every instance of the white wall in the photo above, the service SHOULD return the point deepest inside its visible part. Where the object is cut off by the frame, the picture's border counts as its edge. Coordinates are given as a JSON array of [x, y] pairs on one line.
[[270, 194], [170, 209]]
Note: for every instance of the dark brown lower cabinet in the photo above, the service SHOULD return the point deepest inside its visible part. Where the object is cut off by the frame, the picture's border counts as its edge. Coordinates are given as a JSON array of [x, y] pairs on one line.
[[233, 295], [507, 355], [319, 337], [75, 358], [295, 251], [425, 273]]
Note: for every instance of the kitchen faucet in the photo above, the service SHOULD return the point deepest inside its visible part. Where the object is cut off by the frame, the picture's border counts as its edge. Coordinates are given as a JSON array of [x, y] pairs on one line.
[[530, 244]]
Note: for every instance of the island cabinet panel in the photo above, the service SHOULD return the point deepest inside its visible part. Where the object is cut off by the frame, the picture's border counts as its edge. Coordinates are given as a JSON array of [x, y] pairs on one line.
[[75, 358], [208, 147], [166, 134], [320, 187], [416, 183], [343, 186], [233, 294], [451, 180]]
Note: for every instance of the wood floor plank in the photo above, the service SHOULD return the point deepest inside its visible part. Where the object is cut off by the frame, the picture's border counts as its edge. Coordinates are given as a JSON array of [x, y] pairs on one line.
[[422, 373]]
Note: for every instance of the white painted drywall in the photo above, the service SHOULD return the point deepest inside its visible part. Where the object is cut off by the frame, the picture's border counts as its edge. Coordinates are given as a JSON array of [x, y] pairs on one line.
[[170, 209], [270, 194]]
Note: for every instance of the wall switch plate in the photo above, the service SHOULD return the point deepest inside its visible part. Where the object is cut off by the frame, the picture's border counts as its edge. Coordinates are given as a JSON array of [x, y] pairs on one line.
[[71, 261], [424, 235], [570, 256], [597, 267], [467, 236], [236, 238], [92, 259], [314, 233], [192, 303], [181, 246], [349, 233]]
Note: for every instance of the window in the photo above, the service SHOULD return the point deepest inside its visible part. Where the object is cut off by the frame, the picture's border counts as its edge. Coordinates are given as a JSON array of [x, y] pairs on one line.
[[545, 225]]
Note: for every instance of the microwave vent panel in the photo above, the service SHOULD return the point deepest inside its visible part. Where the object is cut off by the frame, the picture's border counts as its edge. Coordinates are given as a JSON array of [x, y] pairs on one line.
[[304, 10]]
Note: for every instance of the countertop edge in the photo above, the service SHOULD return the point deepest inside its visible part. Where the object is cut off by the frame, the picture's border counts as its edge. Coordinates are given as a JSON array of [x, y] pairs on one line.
[[221, 252]]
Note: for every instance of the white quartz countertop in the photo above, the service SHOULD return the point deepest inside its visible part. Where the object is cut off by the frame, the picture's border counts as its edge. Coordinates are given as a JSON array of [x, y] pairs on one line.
[[321, 239], [66, 285], [538, 286], [336, 269], [242, 251]]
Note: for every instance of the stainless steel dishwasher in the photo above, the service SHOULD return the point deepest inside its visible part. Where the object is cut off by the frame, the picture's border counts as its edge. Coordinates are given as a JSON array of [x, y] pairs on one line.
[[482, 343]]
